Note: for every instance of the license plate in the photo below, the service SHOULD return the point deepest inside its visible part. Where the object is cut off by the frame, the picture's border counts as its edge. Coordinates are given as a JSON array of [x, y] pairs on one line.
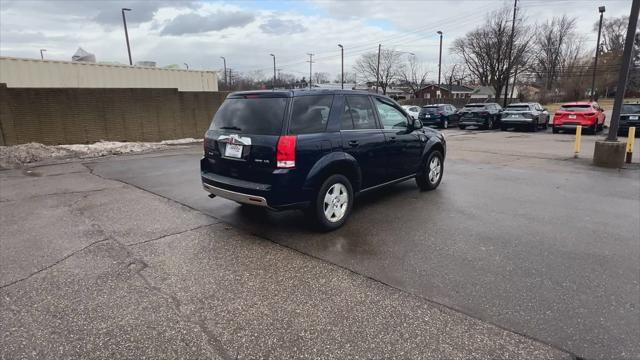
[[572, 116], [633, 117], [427, 116], [233, 151]]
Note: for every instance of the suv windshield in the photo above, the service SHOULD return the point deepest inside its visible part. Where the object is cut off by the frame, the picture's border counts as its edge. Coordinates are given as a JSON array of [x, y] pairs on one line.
[[517, 108], [631, 109], [262, 116], [575, 107]]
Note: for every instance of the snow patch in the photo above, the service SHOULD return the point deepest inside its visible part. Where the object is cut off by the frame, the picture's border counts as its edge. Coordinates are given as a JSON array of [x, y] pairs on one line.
[[17, 155]]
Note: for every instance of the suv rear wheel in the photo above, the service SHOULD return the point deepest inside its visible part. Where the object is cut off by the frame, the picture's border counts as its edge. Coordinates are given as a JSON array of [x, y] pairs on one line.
[[433, 169], [333, 202]]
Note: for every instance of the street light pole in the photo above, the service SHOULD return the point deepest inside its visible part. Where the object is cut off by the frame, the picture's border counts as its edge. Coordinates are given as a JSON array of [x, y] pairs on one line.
[[513, 27], [595, 64], [378, 69], [126, 34], [342, 66], [41, 53], [310, 68], [440, 59], [224, 64], [186, 65], [624, 71], [273, 87]]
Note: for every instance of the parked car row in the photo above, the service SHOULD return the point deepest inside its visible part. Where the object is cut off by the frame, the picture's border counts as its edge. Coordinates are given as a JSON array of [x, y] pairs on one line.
[[530, 116]]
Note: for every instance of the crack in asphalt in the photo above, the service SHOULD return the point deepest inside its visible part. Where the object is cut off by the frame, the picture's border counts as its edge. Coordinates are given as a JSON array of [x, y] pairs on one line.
[[53, 264], [172, 234], [60, 193]]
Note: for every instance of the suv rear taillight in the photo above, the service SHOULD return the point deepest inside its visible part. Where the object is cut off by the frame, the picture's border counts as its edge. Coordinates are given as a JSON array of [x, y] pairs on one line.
[[286, 152]]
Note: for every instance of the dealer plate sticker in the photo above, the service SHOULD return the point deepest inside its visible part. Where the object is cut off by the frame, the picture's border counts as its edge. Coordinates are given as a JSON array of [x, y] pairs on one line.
[[233, 151]]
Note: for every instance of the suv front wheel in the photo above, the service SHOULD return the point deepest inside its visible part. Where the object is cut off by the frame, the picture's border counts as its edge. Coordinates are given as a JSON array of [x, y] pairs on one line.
[[333, 202], [433, 169]]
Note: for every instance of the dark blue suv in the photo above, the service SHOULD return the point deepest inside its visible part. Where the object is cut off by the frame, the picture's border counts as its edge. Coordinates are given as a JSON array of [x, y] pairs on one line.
[[315, 149]]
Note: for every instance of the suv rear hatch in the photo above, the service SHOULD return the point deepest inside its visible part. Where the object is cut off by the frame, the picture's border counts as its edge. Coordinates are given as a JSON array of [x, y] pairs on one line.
[[473, 111], [243, 137], [577, 114]]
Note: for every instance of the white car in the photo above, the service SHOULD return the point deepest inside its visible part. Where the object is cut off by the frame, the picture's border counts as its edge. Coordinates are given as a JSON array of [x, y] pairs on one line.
[[412, 110]]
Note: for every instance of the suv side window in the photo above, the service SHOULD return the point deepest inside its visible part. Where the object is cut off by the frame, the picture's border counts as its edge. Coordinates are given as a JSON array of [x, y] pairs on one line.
[[358, 113], [391, 117], [310, 114]]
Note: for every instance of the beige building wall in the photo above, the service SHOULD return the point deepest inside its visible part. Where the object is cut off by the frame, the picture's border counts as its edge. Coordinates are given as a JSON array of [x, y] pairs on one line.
[[32, 73]]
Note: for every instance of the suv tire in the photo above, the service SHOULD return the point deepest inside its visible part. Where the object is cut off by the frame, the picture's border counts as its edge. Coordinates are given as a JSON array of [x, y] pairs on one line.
[[462, 127], [432, 174], [333, 203]]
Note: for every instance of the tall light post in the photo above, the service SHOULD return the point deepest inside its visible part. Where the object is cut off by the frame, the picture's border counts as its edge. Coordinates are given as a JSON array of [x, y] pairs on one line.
[[274, 71], [42, 53], [378, 68], [224, 64], [595, 64], [511, 37], [341, 66], [126, 34], [186, 65], [440, 59], [310, 68]]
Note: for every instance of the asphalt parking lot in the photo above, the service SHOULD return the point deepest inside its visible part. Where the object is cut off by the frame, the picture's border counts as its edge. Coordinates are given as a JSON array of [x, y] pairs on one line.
[[523, 252]]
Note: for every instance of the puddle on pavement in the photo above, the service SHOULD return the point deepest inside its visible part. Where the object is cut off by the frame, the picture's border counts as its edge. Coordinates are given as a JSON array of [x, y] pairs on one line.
[[31, 173]]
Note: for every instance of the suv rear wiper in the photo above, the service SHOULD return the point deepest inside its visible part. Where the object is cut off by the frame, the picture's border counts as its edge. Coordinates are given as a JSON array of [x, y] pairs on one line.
[[230, 128]]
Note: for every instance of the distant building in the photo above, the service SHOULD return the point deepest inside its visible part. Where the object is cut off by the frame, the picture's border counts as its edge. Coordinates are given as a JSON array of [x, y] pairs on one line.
[[444, 91], [31, 73]]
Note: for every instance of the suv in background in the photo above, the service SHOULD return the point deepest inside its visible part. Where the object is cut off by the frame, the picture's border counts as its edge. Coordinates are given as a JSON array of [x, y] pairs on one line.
[[412, 110], [440, 115], [482, 115], [528, 115], [314, 150], [629, 116], [588, 114]]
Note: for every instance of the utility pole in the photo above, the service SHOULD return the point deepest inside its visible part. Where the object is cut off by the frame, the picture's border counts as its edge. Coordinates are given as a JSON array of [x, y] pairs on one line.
[[126, 34], [624, 71], [310, 67], [378, 69], [41, 53], [342, 66], [224, 64], [595, 64], [273, 87], [513, 28], [440, 59], [186, 65]]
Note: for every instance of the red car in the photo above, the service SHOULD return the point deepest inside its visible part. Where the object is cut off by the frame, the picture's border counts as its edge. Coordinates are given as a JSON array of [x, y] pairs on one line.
[[588, 114]]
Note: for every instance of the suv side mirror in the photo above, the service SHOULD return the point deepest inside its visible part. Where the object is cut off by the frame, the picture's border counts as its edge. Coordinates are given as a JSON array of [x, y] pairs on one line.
[[417, 124]]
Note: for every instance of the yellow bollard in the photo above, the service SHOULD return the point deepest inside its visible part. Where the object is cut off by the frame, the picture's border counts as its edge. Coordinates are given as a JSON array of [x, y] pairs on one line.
[[630, 139], [576, 147]]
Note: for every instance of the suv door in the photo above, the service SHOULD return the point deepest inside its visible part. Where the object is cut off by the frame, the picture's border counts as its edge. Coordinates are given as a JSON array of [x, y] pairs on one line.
[[403, 145], [362, 138]]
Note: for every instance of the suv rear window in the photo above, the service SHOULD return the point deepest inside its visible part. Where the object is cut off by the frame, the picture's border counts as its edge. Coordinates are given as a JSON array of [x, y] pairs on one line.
[[310, 114], [630, 109], [432, 109], [261, 116], [517, 108], [575, 107], [475, 106]]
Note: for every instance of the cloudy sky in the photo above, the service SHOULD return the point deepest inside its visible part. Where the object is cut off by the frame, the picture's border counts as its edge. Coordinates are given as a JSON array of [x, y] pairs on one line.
[[245, 32]]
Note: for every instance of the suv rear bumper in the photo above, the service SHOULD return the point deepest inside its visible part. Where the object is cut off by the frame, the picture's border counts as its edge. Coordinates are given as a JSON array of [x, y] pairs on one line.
[[280, 195]]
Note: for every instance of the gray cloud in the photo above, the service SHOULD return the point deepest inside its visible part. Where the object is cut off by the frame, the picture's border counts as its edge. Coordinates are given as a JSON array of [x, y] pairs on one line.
[[194, 23], [278, 26]]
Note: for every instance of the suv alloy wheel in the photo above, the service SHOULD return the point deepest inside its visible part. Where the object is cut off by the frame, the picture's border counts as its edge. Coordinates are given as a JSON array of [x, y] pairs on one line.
[[333, 202]]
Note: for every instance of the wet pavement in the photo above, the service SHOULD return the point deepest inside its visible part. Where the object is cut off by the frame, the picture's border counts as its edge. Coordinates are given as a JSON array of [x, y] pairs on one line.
[[93, 268], [530, 241]]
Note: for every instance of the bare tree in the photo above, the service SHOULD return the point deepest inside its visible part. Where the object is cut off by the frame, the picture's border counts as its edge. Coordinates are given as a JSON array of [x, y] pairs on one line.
[[366, 66], [484, 50], [320, 77], [552, 43], [455, 74], [413, 75], [613, 33]]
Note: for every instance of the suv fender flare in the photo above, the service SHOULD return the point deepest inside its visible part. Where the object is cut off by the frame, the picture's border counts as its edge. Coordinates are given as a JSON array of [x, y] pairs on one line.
[[334, 162], [432, 144]]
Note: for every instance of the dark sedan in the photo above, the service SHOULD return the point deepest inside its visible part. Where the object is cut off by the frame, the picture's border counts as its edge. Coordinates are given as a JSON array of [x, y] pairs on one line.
[[481, 115]]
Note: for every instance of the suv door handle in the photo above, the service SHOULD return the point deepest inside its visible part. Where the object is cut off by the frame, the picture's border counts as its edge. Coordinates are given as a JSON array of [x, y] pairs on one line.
[[353, 143]]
